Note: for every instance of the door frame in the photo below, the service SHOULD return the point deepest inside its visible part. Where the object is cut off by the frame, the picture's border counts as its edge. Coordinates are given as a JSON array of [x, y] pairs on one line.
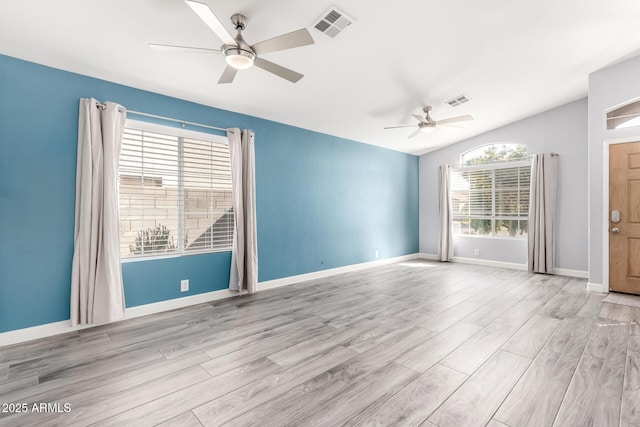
[[605, 203]]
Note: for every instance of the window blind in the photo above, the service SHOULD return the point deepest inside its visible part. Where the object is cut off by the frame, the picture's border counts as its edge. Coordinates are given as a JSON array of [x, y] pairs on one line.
[[491, 200], [175, 194]]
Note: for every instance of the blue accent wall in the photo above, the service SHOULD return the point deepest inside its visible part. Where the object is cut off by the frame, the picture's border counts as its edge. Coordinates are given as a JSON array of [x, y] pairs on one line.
[[322, 201]]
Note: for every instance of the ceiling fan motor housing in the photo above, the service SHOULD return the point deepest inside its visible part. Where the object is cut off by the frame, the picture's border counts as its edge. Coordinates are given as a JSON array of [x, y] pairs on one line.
[[239, 21], [428, 121]]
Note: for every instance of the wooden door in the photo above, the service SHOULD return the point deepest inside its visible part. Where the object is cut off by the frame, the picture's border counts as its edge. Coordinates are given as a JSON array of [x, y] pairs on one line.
[[624, 236]]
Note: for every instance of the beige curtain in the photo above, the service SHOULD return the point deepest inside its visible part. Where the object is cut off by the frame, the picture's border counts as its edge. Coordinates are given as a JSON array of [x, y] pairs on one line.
[[445, 247], [542, 213], [244, 256], [97, 294]]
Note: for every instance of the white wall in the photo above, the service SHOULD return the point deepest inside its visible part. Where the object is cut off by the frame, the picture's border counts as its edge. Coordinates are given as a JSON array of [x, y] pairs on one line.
[[562, 130], [608, 88]]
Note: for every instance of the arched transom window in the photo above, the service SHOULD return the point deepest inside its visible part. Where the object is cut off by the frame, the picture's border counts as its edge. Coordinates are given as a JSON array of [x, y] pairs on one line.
[[491, 153], [623, 117]]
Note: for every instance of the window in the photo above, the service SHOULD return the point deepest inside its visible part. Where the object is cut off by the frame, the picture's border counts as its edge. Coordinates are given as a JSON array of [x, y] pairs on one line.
[[491, 153], [175, 192], [490, 196], [623, 117]]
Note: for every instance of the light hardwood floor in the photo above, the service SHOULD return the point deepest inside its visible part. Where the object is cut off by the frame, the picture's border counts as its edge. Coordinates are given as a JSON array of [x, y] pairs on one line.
[[415, 343]]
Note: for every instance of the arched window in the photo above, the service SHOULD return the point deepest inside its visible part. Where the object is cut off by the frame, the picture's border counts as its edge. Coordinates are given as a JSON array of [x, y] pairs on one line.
[[490, 191], [623, 117], [491, 153]]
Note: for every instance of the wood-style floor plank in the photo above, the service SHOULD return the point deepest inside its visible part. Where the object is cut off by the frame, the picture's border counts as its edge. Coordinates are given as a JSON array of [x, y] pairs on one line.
[[571, 336], [491, 311], [535, 399], [475, 402], [412, 405], [594, 395], [188, 419], [494, 423], [304, 330], [292, 405], [592, 307], [294, 354], [354, 401], [630, 408], [241, 400], [621, 313], [12, 384], [165, 408], [104, 384], [92, 410], [532, 336], [564, 304], [608, 339], [413, 343], [441, 321], [365, 363], [427, 354], [473, 353], [520, 313], [635, 321]]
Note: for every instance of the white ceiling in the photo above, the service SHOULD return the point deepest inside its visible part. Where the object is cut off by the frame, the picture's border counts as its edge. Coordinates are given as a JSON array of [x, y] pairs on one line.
[[514, 58]]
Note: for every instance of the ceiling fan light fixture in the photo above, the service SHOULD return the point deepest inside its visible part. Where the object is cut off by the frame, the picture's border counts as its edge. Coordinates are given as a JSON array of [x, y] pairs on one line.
[[427, 127], [238, 58]]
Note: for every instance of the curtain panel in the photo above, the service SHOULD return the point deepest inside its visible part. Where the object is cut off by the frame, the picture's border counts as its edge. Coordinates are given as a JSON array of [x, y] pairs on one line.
[[97, 294], [542, 214], [244, 256], [445, 242]]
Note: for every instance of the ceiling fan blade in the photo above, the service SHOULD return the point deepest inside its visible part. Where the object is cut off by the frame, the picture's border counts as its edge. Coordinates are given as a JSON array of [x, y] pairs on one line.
[[415, 133], [398, 127], [418, 118], [278, 70], [175, 48], [228, 75], [209, 18], [455, 119], [290, 40]]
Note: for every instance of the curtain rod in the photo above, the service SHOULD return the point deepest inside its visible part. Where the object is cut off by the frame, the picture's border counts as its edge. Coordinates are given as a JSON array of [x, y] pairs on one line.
[[182, 122]]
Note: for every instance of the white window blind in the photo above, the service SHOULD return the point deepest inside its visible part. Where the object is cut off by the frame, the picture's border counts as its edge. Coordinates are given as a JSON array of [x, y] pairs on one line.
[[175, 192], [491, 200]]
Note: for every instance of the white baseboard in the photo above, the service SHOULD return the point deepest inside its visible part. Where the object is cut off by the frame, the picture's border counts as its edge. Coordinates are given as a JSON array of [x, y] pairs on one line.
[[286, 281], [172, 304], [580, 274], [490, 263], [597, 287], [430, 257], [57, 328], [510, 265]]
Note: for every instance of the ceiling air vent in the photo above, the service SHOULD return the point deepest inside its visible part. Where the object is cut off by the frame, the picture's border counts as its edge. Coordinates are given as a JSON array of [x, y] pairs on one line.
[[458, 100], [333, 22]]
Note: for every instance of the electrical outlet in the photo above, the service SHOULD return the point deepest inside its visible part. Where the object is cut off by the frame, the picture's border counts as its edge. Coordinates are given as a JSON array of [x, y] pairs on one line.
[[476, 252], [376, 253], [184, 285]]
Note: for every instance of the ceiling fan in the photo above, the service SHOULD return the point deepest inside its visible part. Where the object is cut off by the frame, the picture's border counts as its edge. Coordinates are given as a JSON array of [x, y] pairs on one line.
[[427, 124], [238, 54]]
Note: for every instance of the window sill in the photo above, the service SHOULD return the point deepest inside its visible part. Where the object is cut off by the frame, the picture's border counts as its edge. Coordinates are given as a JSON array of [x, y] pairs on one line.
[[515, 239], [169, 256]]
